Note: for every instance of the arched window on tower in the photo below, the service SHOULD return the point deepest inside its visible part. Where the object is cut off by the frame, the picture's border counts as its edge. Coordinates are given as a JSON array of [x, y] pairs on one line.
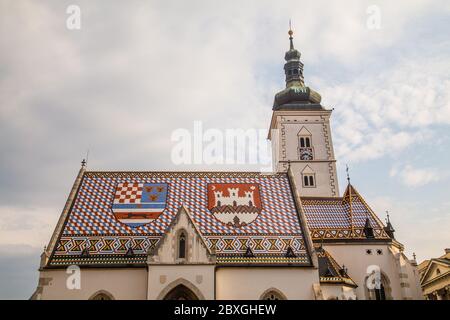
[[182, 238], [309, 181], [305, 148], [308, 177]]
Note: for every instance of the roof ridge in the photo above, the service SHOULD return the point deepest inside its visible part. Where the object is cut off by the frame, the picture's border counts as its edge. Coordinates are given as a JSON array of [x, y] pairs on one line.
[[184, 171]]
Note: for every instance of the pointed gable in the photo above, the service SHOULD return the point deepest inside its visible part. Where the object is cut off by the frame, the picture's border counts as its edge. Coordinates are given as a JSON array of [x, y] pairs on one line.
[[341, 217], [304, 132], [307, 170], [436, 269], [197, 251]]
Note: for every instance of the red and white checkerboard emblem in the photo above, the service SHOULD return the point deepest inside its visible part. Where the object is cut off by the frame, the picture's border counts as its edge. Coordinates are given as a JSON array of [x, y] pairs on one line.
[[128, 193], [136, 204]]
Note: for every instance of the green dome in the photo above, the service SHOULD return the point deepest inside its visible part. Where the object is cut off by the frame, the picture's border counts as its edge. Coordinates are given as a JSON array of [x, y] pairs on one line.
[[297, 97]]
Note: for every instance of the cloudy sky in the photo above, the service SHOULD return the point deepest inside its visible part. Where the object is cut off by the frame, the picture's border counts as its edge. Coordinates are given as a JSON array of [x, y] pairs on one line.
[[138, 70]]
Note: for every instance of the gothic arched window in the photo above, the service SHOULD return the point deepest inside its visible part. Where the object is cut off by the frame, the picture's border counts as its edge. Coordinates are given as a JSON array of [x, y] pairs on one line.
[[308, 177], [273, 294], [182, 245], [101, 295], [384, 292], [305, 142], [380, 294]]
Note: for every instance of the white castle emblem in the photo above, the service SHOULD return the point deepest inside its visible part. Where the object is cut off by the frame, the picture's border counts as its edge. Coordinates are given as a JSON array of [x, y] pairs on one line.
[[234, 204], [234, 199]]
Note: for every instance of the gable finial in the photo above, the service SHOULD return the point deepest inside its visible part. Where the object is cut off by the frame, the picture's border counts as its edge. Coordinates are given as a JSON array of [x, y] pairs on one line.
[[414, 255], [290, 32], [84, 162], [387, 217], [348, 174]]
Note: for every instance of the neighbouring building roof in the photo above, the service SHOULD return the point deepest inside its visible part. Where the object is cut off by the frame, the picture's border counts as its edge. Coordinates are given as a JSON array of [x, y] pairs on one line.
[[426, 269], [99, 228], [343, 218]]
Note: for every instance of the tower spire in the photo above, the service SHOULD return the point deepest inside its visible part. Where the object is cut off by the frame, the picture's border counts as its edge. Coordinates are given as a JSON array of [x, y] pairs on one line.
[[293, 68], [296, 94]]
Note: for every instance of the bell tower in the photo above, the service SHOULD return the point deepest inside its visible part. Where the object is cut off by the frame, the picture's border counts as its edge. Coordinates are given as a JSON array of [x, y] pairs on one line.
[[300, 133]]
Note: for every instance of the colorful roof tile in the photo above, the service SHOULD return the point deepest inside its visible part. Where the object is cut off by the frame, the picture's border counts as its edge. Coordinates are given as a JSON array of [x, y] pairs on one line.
[[341, 217], [330, 271], [115, 211]]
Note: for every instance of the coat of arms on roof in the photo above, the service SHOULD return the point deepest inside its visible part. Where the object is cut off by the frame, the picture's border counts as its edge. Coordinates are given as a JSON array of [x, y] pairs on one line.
[[236, 204], [136, 204]]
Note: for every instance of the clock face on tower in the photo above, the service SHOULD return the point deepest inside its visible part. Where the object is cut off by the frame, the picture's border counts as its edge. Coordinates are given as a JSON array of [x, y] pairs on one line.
[[306, 154]]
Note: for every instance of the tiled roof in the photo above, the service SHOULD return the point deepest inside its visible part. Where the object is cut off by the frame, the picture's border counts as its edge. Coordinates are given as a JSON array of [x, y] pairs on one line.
[[330, 271], [92, 224], [340, 218]]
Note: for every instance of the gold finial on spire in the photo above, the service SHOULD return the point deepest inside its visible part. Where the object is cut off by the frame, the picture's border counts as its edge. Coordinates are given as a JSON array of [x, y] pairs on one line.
[[290, 33]]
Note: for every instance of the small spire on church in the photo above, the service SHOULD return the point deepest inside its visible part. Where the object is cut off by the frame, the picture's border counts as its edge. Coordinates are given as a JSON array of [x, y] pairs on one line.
[[389, 229], [83, 163], [368, 230], [414, 256], [350, 206]]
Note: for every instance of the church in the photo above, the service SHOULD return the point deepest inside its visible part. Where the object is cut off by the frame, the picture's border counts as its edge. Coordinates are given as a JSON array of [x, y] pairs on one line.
[[191, 235]]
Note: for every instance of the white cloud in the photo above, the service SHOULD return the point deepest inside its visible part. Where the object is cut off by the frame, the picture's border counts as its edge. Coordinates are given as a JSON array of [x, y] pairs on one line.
[[30, 226], [416, 177], [385, 114]]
